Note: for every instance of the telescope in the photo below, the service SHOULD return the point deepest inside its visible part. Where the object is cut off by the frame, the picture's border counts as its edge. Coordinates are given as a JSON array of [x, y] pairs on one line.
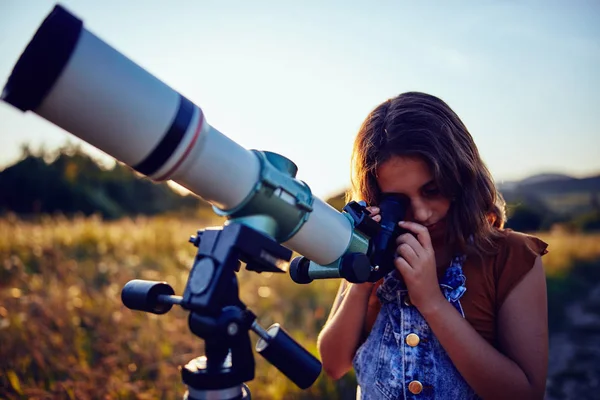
[[78, 82]]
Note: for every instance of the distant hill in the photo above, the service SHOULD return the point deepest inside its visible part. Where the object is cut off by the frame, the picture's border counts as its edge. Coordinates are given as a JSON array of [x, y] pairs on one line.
[[545, 178], [74, 183], [559, 194], [536, 179]]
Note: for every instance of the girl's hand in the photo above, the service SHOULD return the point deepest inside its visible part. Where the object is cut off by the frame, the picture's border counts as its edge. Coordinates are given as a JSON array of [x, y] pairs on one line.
[[374, 213], [416, 264]]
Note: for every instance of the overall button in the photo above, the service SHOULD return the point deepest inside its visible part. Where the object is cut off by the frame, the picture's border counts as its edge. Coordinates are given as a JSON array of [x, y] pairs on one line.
[[412, 339], [407, 302], [415, 387]]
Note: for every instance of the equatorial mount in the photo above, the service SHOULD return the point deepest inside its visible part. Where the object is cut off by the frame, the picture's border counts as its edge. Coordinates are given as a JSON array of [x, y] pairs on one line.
[[218, 316]]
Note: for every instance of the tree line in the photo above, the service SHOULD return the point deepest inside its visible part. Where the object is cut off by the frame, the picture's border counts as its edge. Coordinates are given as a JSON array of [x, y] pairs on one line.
[[72, 182]]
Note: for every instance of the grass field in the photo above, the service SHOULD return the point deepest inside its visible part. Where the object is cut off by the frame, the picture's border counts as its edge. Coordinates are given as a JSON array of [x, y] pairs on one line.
[[64, 332]]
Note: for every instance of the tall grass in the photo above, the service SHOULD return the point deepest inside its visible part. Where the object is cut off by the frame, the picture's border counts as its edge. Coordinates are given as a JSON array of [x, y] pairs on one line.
[[565, 248], [65, 333]]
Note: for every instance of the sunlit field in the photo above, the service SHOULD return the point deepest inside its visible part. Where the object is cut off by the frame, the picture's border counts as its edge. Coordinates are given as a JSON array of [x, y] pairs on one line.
[[564, 248], [64, 332]]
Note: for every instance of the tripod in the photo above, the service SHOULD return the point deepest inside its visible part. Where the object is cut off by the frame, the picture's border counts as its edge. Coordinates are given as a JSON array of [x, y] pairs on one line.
[[218, 316]]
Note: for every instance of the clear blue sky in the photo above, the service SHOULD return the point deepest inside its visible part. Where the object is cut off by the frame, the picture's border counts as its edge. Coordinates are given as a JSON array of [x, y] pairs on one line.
[[298, 77]]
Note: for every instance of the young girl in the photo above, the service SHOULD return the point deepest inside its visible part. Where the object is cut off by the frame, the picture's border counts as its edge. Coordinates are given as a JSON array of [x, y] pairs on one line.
[[464, 313]]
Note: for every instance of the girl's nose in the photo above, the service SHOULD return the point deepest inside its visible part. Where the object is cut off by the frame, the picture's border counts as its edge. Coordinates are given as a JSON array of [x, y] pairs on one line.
[[420, 212]]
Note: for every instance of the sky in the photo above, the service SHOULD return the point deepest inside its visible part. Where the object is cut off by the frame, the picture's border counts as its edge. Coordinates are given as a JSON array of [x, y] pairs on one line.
[[299, 77]]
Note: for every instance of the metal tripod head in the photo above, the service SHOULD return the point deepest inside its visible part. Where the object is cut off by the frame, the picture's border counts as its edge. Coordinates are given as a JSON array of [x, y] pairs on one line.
[[218, 316]]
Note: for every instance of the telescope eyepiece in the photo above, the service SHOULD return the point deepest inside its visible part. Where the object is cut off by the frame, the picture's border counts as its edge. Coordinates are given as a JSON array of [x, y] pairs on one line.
[[392, 210]]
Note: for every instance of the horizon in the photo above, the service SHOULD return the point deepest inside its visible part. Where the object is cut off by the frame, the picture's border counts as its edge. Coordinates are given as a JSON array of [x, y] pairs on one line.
[[299, 79], [50, 156]]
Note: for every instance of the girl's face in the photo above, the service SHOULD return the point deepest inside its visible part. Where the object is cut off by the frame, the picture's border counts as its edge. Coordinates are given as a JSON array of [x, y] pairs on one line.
[[411, 177]]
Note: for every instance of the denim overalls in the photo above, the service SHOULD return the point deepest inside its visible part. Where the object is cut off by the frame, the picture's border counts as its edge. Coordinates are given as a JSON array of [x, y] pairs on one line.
[[401, 358]]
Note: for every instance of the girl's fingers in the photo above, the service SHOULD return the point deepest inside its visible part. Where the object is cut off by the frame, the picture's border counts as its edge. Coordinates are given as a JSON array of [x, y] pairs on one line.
[[408, 253], [403, 266], [373, 209], [420, 231], [412, 241], [374, 213]]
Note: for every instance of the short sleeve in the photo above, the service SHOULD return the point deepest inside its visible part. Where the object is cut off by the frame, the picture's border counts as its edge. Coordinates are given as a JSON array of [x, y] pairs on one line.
[[517, 256]]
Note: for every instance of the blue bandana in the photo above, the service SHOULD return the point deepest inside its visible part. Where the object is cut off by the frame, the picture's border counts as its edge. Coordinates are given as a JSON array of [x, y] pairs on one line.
[[452, 284]]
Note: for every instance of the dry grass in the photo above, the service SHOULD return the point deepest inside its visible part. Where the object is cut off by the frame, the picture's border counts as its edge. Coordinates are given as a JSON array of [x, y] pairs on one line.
[[65, 333], [565, 248]]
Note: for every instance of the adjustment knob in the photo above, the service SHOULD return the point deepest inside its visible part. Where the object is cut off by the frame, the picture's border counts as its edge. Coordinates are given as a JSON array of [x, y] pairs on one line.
[[355, 267], [299, 270], [143, 296], [295, 362]]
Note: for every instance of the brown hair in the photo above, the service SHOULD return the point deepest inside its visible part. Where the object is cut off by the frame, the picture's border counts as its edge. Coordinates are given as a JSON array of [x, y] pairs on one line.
[[422, 125]]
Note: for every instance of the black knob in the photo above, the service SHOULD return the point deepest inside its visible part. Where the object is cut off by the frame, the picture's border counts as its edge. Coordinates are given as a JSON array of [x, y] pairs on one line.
[[143, 296], [295, 362], [355, 267], [195, 240], [299, 270]]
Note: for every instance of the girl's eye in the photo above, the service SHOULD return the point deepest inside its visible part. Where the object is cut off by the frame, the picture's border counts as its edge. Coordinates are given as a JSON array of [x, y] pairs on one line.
[[431, 192]]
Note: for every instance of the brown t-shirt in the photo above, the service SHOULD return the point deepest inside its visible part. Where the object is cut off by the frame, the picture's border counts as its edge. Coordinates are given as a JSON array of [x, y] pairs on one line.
[[490, 280]]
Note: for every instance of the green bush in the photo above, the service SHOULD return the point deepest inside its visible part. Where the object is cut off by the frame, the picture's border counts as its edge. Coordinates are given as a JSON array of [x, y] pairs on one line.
[[589, 222], [71, 182], [524, 218]]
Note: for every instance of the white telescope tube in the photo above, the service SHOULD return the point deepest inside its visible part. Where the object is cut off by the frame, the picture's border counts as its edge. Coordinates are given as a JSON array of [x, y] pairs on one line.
[[110, 102], [73, 79], [325, 236]]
